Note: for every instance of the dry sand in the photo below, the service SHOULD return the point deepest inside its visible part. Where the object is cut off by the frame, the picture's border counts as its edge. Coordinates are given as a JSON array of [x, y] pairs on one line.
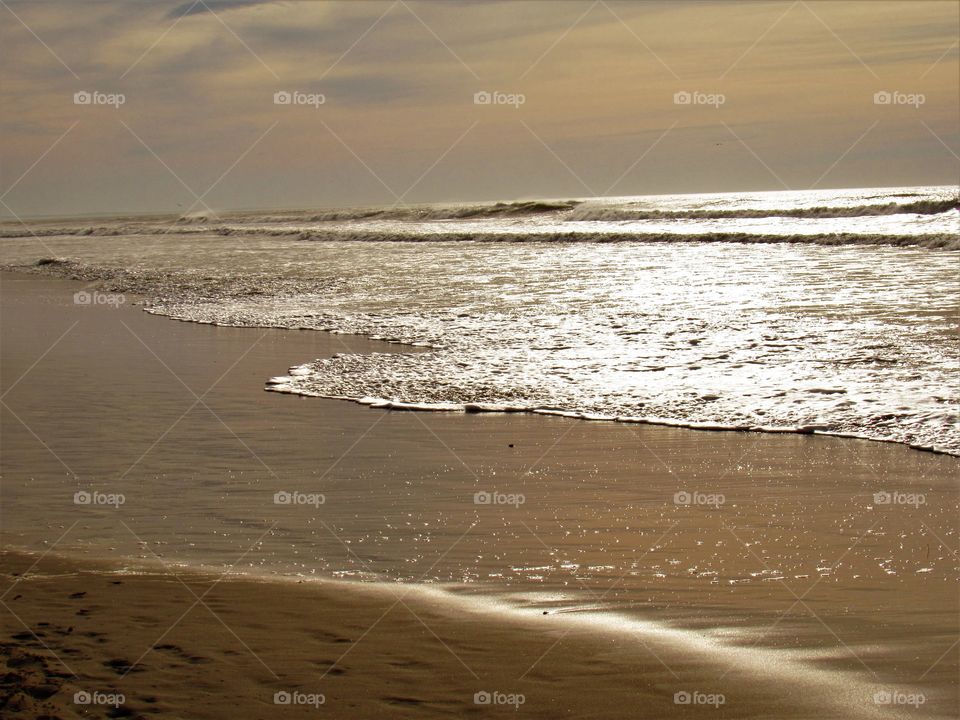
[[810, 645]]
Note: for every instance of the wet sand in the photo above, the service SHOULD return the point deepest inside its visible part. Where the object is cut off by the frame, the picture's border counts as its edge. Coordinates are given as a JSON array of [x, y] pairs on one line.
[[800, 596], [369, 652]]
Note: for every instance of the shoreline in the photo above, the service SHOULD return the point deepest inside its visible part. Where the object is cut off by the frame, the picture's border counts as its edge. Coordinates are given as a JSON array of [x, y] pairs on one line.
[[639, 644], [282, 384], [385, 404], [662, 631]]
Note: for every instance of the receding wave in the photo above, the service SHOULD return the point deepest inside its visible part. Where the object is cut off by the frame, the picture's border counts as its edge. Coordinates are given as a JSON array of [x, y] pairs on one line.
[[187, 286], [289, 384], [758, 370]]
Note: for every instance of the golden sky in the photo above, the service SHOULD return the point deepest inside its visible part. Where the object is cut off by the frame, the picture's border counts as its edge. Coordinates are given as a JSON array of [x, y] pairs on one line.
[[782, 95]]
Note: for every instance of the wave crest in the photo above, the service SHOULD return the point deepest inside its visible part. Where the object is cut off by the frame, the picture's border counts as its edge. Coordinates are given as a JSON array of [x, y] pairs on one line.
[[920, 207]]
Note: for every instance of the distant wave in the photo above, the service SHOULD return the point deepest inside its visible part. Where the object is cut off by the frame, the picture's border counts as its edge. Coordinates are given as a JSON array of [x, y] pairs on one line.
[[933, 241], [204, 221], [938, 241], [439, 212], [920, 207], [578, 210], [88, 230], [929, 220]]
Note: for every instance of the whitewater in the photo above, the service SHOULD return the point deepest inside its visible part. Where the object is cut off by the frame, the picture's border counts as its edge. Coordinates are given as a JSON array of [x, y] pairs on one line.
[[828, 311]]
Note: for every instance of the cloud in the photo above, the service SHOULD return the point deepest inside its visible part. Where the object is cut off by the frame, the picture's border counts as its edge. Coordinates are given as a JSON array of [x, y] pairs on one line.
[[200, 6], [399, 81]]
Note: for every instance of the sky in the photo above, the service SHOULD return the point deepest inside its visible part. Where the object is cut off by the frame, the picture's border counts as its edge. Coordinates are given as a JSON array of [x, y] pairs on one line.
[[140, 106]]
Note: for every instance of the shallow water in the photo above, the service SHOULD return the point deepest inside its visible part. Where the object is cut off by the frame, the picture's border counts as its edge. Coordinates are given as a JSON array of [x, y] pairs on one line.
[[857, 339], [600, 528]]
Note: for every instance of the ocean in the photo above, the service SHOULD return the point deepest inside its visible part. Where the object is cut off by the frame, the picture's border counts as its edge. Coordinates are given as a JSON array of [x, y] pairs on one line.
[[151, 445], [829, 311]]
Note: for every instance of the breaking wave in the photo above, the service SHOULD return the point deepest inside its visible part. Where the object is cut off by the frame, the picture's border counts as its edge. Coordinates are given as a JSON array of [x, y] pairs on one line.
[[933, 241], [939, 241], [782, 356], [920, 207]]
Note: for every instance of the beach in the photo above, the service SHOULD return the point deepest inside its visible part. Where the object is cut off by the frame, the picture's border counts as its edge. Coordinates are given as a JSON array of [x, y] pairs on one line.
[[207, 648], [590, 360], [800, 592]]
